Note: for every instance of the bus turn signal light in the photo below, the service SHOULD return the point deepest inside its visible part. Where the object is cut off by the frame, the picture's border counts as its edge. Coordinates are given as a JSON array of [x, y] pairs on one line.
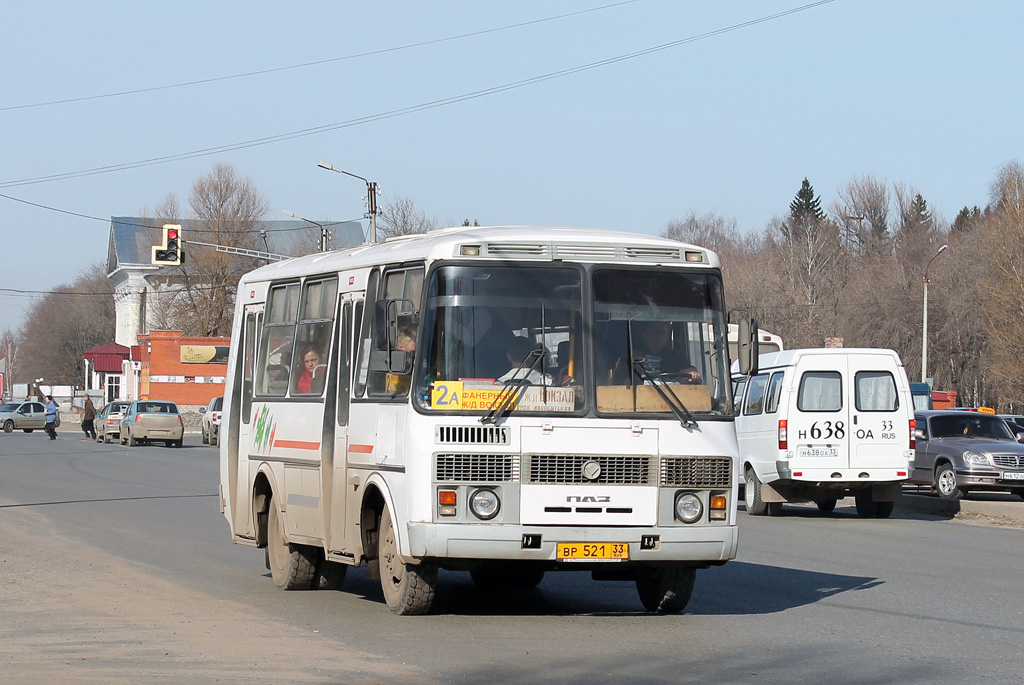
[[446, 500]]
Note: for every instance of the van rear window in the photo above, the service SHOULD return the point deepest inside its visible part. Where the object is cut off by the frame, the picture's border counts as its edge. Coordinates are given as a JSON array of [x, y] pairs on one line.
[[875, 391], [820, 391]]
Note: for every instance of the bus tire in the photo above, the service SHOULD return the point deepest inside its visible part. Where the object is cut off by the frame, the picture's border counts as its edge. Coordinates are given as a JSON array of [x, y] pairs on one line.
[[752, 495], [665, 589], [330, 575], [408, 588], [884, 509], [292, 567]]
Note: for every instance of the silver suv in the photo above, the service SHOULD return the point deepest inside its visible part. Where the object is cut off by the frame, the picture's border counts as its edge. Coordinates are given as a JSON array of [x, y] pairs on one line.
[[960, 451], [211, 421]]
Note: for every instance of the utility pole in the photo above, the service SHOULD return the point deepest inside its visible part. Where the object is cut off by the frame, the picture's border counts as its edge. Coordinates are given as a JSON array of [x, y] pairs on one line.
[[371, 196]]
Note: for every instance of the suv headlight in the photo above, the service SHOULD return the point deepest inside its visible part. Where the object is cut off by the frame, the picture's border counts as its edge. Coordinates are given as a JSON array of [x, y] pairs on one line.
[[975, 458]]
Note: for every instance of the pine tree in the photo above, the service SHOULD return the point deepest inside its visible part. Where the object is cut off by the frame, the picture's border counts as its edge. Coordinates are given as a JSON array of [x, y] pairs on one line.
[[804, 213]]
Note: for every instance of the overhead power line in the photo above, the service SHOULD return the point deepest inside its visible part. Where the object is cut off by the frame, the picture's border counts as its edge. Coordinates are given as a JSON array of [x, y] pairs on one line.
[[315, 63], [255, 142]]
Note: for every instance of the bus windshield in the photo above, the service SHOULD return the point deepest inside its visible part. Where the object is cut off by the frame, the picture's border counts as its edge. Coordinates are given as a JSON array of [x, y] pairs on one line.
[[656, 346], [659, 341], [487, 326]]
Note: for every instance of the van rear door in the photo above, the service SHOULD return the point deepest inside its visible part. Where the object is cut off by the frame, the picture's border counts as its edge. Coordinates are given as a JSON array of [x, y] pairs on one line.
[[880, 413], [819, 425]]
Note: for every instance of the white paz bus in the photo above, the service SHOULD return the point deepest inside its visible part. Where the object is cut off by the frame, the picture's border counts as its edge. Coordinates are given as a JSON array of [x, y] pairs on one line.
[[504, 401]]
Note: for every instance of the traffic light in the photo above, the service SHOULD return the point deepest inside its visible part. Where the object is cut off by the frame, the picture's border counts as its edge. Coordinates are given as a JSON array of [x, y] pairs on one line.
[[169, 252]]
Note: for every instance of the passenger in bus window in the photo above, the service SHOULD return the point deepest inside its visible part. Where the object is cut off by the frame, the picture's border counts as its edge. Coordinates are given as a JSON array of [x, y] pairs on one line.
[[654, 346], [406, 341], [311, 377]]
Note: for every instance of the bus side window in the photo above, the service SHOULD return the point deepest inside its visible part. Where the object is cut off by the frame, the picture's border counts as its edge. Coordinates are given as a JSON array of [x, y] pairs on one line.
[[344, 351], [402, 289], [363, 333], [278, 335]]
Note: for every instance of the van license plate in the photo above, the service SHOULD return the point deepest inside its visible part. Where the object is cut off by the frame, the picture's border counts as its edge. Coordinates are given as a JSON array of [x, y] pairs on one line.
[[1014, 476], [817, 452], [592, 551]]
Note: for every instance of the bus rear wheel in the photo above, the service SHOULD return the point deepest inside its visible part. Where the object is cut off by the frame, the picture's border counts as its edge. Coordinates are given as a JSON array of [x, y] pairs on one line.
[[408, 588], [665, 589], [293, 567]]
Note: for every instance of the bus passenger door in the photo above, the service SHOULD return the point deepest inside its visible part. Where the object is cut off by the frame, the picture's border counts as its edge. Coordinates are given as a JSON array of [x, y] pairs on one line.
[[336, 484], [239, 433]]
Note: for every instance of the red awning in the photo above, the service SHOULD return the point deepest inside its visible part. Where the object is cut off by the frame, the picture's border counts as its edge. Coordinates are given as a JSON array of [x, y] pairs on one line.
[[107, 359]]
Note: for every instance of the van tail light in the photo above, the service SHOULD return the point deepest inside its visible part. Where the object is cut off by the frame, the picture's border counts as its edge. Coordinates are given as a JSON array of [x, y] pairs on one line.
[[913, 439], [783, 435]]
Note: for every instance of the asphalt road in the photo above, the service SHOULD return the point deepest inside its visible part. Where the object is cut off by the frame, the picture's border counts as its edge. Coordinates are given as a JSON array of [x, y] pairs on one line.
[[116, 566]]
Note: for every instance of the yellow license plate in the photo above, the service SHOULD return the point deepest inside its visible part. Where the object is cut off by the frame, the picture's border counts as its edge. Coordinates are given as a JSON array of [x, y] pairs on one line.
[[592, 551]]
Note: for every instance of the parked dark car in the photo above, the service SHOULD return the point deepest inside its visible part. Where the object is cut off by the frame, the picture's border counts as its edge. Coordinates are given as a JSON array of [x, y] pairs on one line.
[[960, 451]]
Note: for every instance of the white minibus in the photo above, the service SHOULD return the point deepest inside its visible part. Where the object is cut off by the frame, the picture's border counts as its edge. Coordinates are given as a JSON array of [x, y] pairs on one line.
[[506, 401], [821, 424]]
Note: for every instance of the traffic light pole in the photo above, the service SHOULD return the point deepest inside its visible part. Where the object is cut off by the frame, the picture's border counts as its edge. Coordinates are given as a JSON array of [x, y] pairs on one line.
[[269, 256]]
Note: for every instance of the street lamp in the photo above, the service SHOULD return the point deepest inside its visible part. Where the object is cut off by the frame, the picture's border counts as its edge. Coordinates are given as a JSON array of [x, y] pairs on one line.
[[924, 319], [371, 196], [323, 230]]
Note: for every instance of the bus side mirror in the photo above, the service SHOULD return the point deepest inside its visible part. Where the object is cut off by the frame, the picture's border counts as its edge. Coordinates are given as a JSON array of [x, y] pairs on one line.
[[747, 346]]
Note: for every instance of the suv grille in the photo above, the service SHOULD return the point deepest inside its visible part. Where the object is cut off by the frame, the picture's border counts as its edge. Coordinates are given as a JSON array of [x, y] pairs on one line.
[[569, 468], [697, 472], [477, 468]]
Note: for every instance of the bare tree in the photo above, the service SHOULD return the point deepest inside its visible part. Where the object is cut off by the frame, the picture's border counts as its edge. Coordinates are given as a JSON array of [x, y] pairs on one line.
[[65, 324], [9, 353], [198, 297], [862, 213], [401, 217], [709, 230]]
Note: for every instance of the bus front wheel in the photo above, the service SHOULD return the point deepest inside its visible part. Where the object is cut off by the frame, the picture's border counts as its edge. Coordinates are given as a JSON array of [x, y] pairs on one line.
[[293, 567], [408, 588], [665, 589]]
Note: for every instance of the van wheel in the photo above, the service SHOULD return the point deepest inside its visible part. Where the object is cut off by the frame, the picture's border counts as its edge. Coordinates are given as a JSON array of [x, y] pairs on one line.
[[408, 588], [665, 589], [866, 505], [827, 506], [945, 483], [752, 495], [292, 567], [883, 510]]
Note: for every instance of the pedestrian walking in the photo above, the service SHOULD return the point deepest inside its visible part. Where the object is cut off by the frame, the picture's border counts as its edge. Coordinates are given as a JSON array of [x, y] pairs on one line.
[[89, 418], [51, 417]]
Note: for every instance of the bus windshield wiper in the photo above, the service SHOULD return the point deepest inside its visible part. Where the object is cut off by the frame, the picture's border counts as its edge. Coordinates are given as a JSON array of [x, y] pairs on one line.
[[665, 391], [513, 388]]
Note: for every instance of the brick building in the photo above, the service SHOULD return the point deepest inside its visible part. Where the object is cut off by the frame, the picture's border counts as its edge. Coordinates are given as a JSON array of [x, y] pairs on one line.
[[186, 370]]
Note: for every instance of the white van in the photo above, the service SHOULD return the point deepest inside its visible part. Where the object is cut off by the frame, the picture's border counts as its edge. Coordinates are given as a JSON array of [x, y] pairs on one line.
[[819, 424]]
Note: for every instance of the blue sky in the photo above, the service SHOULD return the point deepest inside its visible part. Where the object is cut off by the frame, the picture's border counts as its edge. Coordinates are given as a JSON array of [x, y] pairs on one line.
[[924, 93]]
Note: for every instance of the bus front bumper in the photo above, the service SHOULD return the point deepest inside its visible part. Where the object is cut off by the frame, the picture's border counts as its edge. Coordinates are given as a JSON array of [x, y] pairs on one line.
[[698, 544]]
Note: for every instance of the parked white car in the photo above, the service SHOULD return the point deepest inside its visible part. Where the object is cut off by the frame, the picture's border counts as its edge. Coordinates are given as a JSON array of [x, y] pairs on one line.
[[211, 421]]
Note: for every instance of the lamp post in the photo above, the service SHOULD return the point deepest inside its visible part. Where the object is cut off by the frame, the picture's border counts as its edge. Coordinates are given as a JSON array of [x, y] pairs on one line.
[[924, 318], [323, 230], [371, 196]]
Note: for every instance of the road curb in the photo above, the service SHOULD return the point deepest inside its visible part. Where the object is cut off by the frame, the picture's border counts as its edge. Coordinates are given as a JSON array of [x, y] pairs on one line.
[[927, 504]]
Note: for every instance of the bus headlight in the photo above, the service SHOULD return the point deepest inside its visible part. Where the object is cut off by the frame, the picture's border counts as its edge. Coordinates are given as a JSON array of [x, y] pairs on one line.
[[688, 507], [484, 504]]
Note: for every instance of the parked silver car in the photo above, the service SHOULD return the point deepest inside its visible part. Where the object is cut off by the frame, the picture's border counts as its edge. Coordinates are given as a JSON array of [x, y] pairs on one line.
[[960, 451], [24, 415], [108, 423], [211, 421]]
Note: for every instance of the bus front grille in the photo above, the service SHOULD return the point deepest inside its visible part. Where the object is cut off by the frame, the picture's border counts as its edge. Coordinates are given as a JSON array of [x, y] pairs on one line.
[[586, 469], [477, 468], [471, 435], [696, 472]]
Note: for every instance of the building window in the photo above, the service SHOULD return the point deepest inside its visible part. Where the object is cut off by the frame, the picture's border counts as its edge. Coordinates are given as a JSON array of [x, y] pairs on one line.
[[113, 388]]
